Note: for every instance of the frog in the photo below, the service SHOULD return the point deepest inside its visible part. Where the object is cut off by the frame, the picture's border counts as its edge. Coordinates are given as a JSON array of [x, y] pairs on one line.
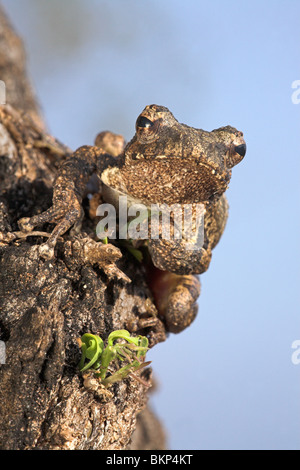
[[166, 162]]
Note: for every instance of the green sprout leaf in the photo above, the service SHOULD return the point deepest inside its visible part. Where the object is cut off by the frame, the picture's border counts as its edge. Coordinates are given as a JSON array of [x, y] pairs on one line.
[[107, 357], [118, 334], [91, 347], [131, 349]]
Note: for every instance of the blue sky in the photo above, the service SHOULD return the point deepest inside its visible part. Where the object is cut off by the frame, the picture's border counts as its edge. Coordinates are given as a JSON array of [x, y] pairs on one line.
[[228, 381]]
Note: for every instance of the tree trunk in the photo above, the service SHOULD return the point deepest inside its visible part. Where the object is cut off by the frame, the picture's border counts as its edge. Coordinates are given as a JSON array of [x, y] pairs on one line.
[[45, 306]]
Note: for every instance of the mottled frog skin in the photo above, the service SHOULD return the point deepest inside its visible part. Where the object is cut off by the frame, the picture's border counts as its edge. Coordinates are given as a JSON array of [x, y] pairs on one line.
[[166, 163]]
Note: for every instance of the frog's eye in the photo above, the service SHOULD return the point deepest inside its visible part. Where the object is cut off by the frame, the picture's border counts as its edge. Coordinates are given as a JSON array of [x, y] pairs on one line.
[[236, 154], [240, 149], [147, 131], [143, 122]]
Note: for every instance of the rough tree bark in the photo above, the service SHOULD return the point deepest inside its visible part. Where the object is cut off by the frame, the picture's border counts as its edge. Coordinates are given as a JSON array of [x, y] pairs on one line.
[[46, 305]]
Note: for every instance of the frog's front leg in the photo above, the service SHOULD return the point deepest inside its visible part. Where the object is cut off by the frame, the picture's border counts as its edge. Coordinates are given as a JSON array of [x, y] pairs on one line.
[[66, 212], [172, 256], [189, 256], [68, 191], [173, 283]]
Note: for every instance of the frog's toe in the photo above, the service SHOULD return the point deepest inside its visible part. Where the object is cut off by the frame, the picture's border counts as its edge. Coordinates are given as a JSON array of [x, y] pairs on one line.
[[46, 251], [7, 237], [25, 225]]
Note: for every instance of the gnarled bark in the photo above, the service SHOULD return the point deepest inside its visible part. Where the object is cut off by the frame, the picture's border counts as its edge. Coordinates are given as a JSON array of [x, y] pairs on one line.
[[46, 305]]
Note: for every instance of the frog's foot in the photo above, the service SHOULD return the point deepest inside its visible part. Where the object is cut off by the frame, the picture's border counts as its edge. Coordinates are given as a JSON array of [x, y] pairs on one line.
[[90, 252], [7, 237], [72, 218], [25, 225], [63, 215], [175, 298]]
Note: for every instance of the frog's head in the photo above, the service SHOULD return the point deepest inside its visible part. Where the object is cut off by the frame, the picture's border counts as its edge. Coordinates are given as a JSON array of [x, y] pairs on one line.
[[159, 133], [167, 161]]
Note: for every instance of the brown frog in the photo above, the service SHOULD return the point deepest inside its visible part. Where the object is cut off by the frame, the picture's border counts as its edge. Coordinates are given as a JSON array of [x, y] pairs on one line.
[[165, 163]]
